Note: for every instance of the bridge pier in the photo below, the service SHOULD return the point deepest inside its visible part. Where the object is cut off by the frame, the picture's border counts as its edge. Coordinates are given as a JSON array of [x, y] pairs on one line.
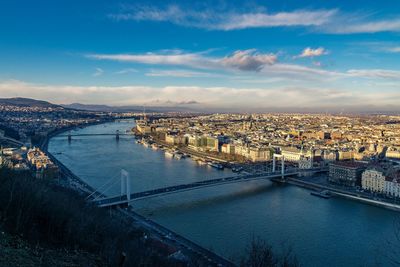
[[117, 135], [69, 137]]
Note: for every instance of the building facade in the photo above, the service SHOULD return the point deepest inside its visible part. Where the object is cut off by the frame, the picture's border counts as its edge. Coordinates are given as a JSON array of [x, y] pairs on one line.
[[346, 173], [373, 180]]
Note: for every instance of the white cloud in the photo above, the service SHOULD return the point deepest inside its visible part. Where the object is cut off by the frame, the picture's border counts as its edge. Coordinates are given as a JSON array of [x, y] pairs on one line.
[[246, 60], [265, 20], [301, 72], [180, 73], [249, 60], [349, 26], [225, 20], [394, 49], [178, 59], [317, 63], [98, 72], [375, 73], [215, 97], [330, 21], [125, 71], [264, 65], [309, 52]]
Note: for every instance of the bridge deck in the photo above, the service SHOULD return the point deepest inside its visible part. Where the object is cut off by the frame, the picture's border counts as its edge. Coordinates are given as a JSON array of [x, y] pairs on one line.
[[119, 200], [94, 134]]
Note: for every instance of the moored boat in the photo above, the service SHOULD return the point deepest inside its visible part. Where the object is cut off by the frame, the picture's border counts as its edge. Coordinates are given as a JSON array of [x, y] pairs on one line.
[[168, 153], [323, 194], [146, 144], [216, 165], [237, 169], [200, 162]]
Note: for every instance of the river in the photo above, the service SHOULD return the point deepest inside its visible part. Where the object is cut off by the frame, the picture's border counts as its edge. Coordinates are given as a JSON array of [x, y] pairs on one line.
[[334, 232]]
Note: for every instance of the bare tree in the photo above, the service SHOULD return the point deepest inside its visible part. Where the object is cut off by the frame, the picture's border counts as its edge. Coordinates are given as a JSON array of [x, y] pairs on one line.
[[261, 254]]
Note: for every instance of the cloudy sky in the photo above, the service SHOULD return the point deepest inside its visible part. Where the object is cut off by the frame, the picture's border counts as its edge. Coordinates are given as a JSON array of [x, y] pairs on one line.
[[225, 55]]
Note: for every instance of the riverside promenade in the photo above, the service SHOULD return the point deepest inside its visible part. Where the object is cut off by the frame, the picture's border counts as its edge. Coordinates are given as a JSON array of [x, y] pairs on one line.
[[343, 193]]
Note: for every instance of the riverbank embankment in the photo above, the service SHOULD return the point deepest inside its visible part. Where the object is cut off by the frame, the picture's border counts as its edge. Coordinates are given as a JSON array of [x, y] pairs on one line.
[[342, 193]]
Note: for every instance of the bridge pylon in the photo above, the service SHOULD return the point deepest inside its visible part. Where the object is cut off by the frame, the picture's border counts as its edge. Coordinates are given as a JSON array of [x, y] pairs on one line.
[[126, 185], [282, 158]]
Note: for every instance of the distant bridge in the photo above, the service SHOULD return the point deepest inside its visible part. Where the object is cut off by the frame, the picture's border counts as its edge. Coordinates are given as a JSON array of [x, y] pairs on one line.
[[11, 140], [117, 134], [95, 134], [126, 197]]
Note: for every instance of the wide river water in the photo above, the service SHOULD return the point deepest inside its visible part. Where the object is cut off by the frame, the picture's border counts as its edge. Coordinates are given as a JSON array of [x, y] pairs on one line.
[[334, 232]]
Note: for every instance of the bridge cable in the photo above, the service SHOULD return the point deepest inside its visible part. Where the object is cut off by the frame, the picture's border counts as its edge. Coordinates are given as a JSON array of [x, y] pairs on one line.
[[100, 188], [102, 193]]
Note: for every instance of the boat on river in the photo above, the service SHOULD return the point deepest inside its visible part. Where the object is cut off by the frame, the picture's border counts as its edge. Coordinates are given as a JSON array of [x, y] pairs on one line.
[[169, 153], [216, 165], [154, 146], [200, 162], [146, 144], [323, 194], [237, 169]]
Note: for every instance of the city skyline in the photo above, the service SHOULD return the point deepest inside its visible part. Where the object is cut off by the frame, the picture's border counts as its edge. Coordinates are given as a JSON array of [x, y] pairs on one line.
[[213, 55]]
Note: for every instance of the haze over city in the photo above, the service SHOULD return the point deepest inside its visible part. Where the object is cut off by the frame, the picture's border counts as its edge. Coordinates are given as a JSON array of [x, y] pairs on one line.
[[311, 56]]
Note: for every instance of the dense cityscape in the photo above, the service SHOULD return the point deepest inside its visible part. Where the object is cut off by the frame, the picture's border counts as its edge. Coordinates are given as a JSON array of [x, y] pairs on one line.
[[359, 156]]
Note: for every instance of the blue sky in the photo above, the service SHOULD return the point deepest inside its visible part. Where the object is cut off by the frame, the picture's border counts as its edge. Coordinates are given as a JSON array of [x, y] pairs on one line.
[[232, 55]]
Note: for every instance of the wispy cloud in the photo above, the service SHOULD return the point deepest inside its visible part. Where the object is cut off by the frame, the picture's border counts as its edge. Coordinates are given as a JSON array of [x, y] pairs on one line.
[[181, 74], [331, 21], [350, 26], [375, 73], [317, 63], [394, 49], [98, 72], [178, 59], [310, 52], [300, 72], [225, 20], [245, 60], [125, 71]]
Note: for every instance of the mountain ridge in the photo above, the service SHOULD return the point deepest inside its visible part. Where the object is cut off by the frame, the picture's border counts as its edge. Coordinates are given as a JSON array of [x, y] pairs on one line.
[[106, 108], [30, 102], [26, 102]]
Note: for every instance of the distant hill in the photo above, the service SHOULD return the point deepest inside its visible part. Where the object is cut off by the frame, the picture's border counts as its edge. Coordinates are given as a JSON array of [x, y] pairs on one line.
[[106, 108], [88, 107], [29, 102], [26, 102]]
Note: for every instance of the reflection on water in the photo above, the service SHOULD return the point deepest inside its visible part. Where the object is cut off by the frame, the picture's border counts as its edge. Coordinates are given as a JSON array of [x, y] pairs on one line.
[[334, 232]]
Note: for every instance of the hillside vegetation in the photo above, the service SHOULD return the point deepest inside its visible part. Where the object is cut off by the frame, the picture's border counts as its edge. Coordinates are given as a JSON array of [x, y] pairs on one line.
[[48, 216]]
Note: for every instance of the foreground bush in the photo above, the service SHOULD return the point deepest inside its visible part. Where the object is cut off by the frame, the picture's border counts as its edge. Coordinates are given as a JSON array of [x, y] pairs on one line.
[[50, 215]]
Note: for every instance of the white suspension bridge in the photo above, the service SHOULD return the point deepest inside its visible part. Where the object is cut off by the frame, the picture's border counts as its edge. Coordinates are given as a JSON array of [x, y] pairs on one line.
[[126, 196]]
